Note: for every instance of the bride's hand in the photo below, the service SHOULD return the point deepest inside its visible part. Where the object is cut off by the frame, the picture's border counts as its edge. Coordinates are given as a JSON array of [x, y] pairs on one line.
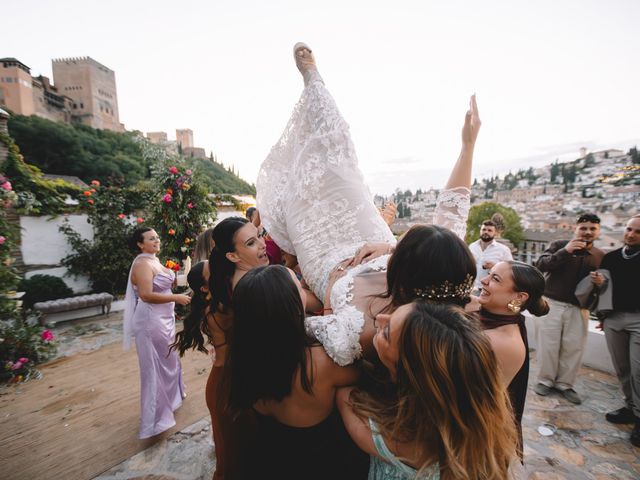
[[369, 251], [471, 124]]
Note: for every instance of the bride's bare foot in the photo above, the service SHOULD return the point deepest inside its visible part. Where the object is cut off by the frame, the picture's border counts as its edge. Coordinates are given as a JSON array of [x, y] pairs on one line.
[[305, 61]]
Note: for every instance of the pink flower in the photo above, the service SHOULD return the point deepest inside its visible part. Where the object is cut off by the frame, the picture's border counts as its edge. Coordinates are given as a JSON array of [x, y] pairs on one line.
[[167, 198], [139, 220], [47, 336], [23, 360], [7, 186], [2, 240], [189, 172], [95, 183], [190, 205], [121, 216], [17, 365], [173, 170]]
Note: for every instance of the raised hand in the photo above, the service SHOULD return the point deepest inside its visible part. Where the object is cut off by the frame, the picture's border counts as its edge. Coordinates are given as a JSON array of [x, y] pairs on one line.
[[472, 124]]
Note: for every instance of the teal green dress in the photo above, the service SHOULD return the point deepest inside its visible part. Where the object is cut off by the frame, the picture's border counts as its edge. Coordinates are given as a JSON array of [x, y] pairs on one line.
[[391, 468]]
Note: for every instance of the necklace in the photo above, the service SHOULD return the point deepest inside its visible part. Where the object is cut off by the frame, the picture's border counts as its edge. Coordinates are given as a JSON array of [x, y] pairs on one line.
[[626, 256]]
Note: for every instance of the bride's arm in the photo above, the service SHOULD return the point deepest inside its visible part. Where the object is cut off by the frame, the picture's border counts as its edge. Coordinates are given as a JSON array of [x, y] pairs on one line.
[[461, 173], [452, 206]]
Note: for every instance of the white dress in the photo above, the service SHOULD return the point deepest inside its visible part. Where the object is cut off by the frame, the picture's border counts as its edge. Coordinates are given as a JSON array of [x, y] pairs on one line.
[[315, 205]]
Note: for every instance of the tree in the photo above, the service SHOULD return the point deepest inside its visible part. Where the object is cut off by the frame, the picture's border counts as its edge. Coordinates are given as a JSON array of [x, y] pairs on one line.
[[635, 156], [106, 259], [555, 170], [590, 161], [483, 211]]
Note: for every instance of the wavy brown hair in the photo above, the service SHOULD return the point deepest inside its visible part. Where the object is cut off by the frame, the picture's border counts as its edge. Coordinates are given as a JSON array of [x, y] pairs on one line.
[[449, 401]]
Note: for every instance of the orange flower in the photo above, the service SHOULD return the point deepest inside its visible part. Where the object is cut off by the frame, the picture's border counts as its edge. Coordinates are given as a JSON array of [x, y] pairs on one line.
[[87, 193], [171, 231], [170, 191], [187, 241]]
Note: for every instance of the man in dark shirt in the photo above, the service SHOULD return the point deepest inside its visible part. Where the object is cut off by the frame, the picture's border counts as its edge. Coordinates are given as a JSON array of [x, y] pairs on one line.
[[622, 325], [563, 332]]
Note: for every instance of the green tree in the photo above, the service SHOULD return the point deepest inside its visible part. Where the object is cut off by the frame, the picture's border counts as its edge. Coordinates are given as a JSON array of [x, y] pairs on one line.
[[555, 171], [483, 211], [90, 154]]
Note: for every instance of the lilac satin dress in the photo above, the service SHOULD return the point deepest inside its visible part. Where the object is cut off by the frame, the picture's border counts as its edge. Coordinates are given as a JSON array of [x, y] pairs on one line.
[[161, 385]]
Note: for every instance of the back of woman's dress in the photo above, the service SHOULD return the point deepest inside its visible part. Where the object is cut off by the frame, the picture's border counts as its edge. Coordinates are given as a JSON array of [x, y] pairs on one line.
[[161, 386]]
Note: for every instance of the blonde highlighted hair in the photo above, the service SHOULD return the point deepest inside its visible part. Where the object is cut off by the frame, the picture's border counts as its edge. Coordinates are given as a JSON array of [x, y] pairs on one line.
[[448, 402]]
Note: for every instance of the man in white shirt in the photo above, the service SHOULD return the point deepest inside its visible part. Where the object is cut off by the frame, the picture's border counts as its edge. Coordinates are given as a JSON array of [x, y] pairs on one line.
[[487, 251]]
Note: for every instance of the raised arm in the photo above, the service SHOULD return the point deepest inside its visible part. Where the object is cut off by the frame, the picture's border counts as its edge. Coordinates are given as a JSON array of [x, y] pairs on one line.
[[452, 207], [461, 173]]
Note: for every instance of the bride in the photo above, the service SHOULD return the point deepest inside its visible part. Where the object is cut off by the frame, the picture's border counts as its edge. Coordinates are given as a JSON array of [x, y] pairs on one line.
[[315, 205]]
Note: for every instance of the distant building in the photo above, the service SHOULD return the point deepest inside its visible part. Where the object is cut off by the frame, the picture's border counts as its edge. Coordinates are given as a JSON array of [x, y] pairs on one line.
[[194, 152], [49, 103], [158, 138], [92, 86], [84, 91], [16, 90], [184, 137]]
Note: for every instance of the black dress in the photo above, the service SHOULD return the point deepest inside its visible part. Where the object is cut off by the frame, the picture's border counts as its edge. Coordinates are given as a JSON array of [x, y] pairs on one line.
[[322, 451], [518, 387]]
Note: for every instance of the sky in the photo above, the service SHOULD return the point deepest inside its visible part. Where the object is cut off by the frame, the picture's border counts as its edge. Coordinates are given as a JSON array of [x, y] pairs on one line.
[[550, 75]]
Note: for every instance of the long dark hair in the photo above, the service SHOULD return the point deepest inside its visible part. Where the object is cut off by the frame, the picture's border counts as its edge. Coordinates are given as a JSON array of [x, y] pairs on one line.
[[221, 269], [427, 257], [268, 340], [137, 237], [449, 398], [195, 323], [527, 278]]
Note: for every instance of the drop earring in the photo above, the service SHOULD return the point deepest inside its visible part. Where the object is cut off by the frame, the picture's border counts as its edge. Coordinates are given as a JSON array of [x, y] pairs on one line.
[[514, 306]]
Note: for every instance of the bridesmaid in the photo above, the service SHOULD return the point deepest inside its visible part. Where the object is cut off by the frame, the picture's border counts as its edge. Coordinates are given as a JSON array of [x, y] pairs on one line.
[[149, 317]]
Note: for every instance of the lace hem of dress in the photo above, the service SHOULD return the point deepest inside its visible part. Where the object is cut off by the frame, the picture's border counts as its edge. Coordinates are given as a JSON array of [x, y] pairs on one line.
[[339, 334]]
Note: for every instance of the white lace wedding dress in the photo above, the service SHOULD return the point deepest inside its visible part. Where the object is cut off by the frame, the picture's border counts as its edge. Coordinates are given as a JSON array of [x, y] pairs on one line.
[[315, 205]]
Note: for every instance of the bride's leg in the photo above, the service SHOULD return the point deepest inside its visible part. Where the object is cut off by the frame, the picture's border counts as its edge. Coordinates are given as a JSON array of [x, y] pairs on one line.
[[311, 193]]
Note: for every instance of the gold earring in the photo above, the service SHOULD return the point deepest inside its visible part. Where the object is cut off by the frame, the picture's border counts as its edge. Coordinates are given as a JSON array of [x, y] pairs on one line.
[[514, 306]]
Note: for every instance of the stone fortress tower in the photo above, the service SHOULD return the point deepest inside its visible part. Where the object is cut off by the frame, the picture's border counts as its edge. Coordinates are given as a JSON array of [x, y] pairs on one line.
[[15, 86], [92, 87], [184, 137]]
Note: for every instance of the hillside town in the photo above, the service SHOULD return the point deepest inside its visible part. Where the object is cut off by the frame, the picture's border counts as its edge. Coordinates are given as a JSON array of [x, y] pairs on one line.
[[549, 198]]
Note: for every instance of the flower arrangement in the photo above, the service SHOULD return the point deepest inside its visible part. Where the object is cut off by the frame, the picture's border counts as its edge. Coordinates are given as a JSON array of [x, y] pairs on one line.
[[181, 209]]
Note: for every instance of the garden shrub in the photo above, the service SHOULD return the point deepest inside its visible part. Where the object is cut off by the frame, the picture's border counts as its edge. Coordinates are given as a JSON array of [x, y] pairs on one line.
[[41, 288]]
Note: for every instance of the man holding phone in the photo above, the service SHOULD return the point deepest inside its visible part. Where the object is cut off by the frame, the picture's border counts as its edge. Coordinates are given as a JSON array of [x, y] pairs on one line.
[[563, 332]]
